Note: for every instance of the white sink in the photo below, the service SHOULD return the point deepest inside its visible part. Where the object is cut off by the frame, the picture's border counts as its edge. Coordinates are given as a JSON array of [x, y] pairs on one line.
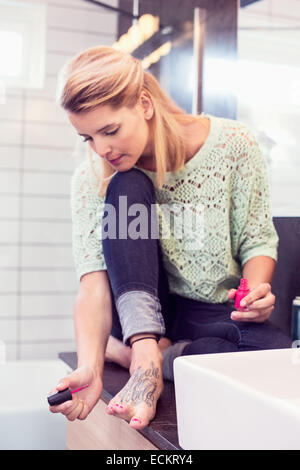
[[239, 400], [25, 420]]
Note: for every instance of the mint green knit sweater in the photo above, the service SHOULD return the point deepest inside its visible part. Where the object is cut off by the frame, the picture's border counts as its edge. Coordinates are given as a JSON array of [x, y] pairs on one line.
[[227, 182]]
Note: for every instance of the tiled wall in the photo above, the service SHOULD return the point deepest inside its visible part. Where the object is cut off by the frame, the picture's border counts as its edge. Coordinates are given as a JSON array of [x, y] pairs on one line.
[[37, 277], [269, 40]]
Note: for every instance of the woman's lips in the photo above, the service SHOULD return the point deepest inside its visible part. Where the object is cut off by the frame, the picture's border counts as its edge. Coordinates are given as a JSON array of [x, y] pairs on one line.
[[116, 161]]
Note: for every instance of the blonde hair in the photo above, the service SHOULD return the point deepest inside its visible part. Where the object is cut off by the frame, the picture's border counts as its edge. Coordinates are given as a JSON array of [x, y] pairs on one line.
[[103, 75]]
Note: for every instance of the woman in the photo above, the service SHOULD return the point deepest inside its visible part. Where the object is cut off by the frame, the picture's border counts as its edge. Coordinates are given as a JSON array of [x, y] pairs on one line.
[[146, 297]]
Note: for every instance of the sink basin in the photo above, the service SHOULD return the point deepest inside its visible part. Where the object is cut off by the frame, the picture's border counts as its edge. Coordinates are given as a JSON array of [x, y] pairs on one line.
[[25, 420], [239, 400]]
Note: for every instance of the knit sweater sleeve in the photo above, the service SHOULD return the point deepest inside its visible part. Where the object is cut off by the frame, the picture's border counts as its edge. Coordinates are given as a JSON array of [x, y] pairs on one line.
[[252, 230], [87, 209]]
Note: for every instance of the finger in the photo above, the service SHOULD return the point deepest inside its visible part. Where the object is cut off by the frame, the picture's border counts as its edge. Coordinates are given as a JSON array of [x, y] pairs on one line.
[[85, 411], [63, 408], [257, 293], [258, 316], [74, 380], [266, 302], [231, 293], [75, 411], [245, 316]]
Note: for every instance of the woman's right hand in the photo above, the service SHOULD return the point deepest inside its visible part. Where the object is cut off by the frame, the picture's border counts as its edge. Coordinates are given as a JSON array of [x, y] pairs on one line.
[[83, 401]]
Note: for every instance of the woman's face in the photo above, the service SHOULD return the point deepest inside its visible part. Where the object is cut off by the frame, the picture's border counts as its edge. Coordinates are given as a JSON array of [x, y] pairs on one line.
[[120, 136]]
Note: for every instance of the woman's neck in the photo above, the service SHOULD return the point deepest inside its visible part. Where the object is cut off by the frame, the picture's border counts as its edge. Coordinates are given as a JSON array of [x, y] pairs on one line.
[[194, 135]]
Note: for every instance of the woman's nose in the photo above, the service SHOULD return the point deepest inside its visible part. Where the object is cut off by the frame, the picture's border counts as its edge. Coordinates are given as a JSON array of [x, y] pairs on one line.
[[102, 149]]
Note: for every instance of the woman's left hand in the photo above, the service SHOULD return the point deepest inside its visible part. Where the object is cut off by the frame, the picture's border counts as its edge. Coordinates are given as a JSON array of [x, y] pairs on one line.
[[259, 304]]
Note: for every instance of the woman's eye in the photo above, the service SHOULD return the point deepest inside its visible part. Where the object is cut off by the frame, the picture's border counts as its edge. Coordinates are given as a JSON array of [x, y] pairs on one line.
[[86, 139], [112, 133]]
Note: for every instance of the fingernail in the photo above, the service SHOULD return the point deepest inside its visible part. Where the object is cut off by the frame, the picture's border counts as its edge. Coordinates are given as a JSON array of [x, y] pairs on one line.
[[243, 303], [136, 419], [59, 385]]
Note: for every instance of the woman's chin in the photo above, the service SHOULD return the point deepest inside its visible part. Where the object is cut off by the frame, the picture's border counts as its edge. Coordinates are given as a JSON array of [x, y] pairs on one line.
[[124, 166]]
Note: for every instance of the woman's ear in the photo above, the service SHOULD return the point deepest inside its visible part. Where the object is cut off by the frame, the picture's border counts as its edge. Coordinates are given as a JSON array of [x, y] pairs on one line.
[[146, 104]]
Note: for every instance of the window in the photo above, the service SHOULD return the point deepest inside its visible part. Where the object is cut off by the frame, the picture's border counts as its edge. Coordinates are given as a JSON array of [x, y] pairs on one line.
[[22, 44]]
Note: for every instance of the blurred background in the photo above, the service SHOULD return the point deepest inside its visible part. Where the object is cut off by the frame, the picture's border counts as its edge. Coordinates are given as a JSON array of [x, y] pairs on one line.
[[232, 59]]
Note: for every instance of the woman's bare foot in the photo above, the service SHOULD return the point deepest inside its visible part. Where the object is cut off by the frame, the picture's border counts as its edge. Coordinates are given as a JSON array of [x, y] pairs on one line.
[[136, 402]]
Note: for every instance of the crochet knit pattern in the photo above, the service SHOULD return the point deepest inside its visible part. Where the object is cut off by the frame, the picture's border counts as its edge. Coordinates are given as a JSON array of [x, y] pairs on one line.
[[226, 181]]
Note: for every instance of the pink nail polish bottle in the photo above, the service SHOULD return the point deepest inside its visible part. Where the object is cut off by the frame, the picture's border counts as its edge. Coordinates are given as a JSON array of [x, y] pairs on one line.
[[242, 291]]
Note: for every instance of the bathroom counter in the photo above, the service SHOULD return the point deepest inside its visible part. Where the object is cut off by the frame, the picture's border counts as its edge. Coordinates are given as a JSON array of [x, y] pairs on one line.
[[162, 431]]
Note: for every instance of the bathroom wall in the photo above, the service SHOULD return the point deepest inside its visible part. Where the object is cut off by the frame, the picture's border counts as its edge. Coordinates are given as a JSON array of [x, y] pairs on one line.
[[38, 153], [268, 92]]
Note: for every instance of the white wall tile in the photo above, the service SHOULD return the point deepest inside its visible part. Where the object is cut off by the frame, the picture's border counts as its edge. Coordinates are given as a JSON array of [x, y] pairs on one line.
[[43, 305], [55, 62], [45, 350], [47, 183], [49, 281], [9, 256], [8, 305], [292, 9], [8, 281], [48, 159], [97, 20], [46, 208], [12, 109], [48, 91], [44, 111], [10, 182], [46, 232], [74, 42], [42, 257], [9, 231], [9, 207], [62, 41], [50, 135], [11, 351], [80, 5], [8, 330], [10, 133], [46, 329], [10, 157]]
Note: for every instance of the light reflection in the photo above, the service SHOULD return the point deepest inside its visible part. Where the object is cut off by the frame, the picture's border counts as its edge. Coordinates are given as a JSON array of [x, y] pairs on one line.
[[11, 54], [254, 83]]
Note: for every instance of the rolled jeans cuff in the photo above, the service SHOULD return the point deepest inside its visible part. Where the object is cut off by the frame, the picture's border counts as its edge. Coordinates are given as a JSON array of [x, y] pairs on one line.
[[140, 312]]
